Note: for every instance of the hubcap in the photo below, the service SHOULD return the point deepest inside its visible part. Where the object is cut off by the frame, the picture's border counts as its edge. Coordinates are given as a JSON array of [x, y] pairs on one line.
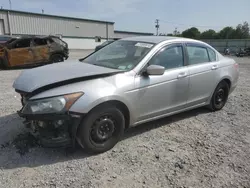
[[102, 129], [220, 97]]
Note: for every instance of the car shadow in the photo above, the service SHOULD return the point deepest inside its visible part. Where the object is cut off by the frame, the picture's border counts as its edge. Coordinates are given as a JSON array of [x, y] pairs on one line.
[[134, 131], [19, 149]]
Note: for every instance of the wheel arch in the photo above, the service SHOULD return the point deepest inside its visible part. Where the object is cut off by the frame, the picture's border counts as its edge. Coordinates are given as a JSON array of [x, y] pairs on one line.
[[120, 105], [227, 79], [56, 53]]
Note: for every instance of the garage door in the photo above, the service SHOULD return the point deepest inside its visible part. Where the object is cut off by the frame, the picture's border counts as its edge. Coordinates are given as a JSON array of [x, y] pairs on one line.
[[1, 27]]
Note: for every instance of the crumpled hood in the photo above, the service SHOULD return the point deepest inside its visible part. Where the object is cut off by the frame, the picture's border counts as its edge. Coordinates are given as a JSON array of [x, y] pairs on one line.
[[33, 79]]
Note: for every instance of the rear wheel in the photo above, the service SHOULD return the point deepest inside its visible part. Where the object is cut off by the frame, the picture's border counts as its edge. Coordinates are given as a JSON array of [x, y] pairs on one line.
[[3, 63], [101, 129], [56, 58], [219, 97]]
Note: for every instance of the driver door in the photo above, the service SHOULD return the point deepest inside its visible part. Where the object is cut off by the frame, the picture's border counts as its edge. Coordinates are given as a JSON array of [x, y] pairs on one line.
[[162, 94], [20, 53]]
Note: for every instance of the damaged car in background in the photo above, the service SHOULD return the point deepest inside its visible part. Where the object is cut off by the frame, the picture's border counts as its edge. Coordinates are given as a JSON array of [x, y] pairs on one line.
[[32, 50], [126, 83]]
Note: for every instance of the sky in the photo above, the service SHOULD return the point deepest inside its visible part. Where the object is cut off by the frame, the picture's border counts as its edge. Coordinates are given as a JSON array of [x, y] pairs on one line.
[[140, 15]]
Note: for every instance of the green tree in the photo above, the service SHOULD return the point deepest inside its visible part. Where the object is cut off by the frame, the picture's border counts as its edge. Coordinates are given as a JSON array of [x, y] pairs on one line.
[[170, 34], [209, 34], [193, 33], [227, 33], [242, 31]]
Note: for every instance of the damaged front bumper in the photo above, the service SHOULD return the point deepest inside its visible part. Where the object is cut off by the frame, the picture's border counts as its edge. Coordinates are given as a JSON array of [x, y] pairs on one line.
[[53, 130]]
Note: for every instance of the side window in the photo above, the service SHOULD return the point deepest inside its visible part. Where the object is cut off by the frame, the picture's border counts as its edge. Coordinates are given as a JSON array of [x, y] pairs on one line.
[[24, 43], [169, 58], [197, 55], [40, 42], [212, 54]]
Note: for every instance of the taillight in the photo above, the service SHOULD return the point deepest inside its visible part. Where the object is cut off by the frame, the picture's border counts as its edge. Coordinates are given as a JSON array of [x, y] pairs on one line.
[[236, 65]]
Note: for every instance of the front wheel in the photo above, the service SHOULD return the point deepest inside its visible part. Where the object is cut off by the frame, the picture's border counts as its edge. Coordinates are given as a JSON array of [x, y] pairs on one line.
[[101, 129], [219, 97]]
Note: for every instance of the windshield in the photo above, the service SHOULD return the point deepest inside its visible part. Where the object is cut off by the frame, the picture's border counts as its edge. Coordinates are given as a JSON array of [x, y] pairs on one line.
[[122, 55]]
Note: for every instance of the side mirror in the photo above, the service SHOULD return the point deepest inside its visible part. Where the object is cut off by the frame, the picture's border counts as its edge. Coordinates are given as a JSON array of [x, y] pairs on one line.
[[155, 70]]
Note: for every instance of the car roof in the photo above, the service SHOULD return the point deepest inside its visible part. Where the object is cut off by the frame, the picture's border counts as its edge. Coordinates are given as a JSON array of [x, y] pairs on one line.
[[158, 39], [6, 36], [36, 36]]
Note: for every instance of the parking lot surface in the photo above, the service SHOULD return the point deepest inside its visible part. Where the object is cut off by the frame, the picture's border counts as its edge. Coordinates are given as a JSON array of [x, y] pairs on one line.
[[198, 148]]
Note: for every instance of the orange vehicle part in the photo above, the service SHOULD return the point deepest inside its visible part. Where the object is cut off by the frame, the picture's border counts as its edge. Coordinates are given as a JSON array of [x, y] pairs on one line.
[[41, 53], [1, 52], [19, 56], [24, 56]]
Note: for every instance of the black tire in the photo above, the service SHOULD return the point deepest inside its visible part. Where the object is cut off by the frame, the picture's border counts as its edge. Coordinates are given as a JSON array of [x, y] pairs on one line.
[[101, 129], [3, 64], [219, 97], [56, 58]]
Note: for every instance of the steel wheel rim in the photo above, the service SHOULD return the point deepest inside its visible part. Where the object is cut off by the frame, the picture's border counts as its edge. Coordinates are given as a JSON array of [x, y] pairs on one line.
[[102, 129], [220, 97]]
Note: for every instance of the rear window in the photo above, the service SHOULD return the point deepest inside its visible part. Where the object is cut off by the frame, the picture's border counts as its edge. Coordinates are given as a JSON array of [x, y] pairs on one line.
[[197, 55]]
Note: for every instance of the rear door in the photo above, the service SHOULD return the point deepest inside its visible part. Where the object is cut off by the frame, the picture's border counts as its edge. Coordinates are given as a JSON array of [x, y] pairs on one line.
[[20, 53], [40, 49], [201, 66]]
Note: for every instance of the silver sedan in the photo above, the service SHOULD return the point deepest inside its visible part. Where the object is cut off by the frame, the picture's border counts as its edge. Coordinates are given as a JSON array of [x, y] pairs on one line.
[[127, 83]]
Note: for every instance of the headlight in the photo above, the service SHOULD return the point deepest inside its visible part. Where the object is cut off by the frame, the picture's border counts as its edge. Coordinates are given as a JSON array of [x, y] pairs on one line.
[[51, 105]]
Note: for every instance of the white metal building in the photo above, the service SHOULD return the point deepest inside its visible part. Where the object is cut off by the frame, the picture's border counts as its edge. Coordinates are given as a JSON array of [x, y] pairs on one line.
[[77, 32]]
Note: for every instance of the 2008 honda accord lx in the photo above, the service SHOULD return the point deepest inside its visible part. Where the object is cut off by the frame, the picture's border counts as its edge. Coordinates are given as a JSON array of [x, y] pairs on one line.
[[129, 82]]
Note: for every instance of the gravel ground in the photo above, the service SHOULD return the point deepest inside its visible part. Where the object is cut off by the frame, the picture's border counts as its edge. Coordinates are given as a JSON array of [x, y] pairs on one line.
[[192, 149]]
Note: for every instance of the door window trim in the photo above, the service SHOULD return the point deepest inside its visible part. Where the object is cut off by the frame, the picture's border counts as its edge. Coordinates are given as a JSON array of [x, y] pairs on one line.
[[178, 44], [216, 58]]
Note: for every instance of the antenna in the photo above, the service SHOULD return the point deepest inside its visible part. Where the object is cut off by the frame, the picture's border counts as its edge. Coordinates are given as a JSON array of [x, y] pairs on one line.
[[10, 4]]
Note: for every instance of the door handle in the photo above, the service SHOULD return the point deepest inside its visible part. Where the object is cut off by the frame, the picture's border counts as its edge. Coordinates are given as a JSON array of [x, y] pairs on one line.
[[214, 67], [182, 75]]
